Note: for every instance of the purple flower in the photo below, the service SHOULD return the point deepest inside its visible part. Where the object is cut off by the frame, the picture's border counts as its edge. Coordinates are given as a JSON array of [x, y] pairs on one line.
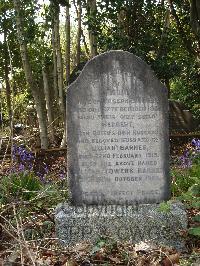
[[21, 167], [185, 161], [196, 144], [41, 177], [62, 176], [190, 154], [25, 158], [186, 153], [30, 166], [46, 169]]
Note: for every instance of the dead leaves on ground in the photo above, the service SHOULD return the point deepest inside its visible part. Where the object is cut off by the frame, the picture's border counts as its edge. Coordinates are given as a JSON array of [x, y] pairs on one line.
[[118, 254], [111, 253]]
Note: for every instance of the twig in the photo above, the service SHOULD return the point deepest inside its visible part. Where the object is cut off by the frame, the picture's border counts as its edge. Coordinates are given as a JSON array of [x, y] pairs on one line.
[[5, 153], [13, 228], [8, 232], [161, 252], [21, 235], [47, 215]]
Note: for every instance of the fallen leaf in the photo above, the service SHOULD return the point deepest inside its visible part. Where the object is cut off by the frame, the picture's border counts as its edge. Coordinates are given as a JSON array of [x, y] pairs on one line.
[[115, 260], [99, 255], [71, 263], [144, 246], [86, 263], [171, 259], [81, 247]]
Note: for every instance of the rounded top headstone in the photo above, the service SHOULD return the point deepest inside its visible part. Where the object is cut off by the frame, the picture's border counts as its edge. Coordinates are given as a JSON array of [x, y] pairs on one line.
[[117, 132]]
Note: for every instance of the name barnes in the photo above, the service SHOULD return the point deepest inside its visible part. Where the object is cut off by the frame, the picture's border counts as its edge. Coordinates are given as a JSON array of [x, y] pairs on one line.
[[121, 148]]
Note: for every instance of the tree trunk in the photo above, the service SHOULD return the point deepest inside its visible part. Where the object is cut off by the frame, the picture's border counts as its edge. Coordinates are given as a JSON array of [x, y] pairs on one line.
[[167, 84], [58, 53], [82, 33], [8, 89], [161, 49], [56, 10], [78, 40], [85, 44], [195, 17], [186, 41], [55, 76], [92, 9], [59, 65], [49, 103], [67, 48], [39, 101]]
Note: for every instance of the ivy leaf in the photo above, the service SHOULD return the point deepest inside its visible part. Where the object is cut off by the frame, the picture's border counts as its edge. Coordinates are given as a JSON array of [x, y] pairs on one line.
[[195, 231]]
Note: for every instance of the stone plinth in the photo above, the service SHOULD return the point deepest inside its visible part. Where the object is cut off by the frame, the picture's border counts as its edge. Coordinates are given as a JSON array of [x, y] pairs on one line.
[[124, 223]]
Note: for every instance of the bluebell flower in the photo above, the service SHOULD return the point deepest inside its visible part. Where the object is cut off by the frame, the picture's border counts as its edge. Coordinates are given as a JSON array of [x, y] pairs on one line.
[[62, 175], [189, 155], [196, 144], [21, 167], [46, 169], [186, 153], [30, 166], [42, 178]]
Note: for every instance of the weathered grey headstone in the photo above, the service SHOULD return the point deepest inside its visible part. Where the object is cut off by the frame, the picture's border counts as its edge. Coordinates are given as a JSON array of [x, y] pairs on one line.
[[118, 156], [117, 133]]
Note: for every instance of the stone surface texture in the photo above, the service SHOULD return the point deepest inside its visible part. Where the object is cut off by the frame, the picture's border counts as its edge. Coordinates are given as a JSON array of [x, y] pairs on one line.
[[117, 133], [124, 223]]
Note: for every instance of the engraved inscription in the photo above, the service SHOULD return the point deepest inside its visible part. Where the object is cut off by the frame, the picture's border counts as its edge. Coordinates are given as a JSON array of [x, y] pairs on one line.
[[117, 148]]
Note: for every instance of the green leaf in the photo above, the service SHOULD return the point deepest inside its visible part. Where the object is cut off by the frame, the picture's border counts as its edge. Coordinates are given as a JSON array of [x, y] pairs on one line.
[[164, 207], [195, 189], [98, 246], [196, 218], [195, 231], [196, 204]]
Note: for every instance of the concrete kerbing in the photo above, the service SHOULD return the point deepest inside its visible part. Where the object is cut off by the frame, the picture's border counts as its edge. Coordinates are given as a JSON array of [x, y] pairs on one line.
[[133, 224]]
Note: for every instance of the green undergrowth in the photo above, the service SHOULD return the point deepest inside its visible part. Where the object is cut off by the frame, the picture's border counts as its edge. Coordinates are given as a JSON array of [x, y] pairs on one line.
[[29, 200], [27, 187], [28, 203], [186, 183]]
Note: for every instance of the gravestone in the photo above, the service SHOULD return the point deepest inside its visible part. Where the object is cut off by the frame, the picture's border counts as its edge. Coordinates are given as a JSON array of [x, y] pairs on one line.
[[181, 120], [117, 115], [118, 155]]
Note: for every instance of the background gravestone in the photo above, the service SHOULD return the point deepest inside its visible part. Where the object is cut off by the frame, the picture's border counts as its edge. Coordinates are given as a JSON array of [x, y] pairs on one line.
[[117, 133], [181, 119]]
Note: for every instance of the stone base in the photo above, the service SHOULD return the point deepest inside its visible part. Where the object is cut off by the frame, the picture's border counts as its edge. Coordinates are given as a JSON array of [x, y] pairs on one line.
[[133, 224]]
